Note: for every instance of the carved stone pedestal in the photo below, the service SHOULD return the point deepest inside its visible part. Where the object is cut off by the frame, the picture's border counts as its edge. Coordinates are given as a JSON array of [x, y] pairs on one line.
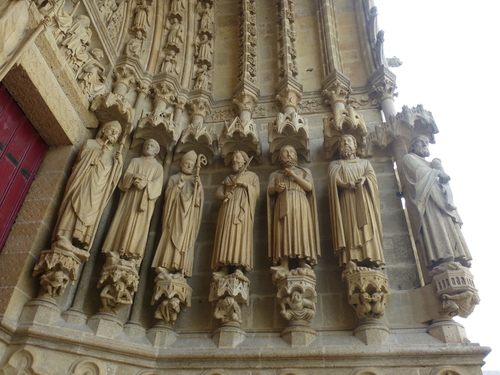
[[162, 335], [134, 330], [297, 298], [105, 324], [367, 289], [75, 317], [298, 335], [228, 336], [448, 331], [371, 332], [42, 310], [229, 291], [174, 293], [455, 290], [59, 266]]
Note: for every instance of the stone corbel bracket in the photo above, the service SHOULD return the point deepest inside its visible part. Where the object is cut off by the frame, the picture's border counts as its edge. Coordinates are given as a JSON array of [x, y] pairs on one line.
[[59, 266], [455, 290], [405, 125], [367, 291], [122, 272], [169, 287], [234, 285]]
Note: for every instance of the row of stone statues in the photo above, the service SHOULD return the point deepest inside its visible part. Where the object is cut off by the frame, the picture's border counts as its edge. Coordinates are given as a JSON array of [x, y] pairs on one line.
[[293, 227]]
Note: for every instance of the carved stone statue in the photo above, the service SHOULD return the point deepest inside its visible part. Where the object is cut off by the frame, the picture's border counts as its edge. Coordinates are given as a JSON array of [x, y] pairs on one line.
[[434, 219], [181, 217], [175, 34], [204, 50], [292, 214], [141, 186], [115, 296], [91, 78], [13, 25], [61, 20], [202, 78], [176, 6], [92, 181], [169, 64], [355, 208], [135, 47], [107, 8], [234, 235], [168, 310], [141, 18], [76, 41], [206, 18], [296, 307], [228, 310]]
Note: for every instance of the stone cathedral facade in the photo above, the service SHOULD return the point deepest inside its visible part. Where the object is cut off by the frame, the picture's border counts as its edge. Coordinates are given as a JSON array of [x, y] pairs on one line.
[[221, 187]]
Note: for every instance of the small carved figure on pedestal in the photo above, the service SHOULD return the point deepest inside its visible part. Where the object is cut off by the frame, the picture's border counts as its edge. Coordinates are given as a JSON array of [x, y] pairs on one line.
[[206, 18], [204, 50], [141, 18], [202, 78], [135, 47], [76, 41], [169, 64], [175, 36], [228, 311], [297, 309], [91, 77]]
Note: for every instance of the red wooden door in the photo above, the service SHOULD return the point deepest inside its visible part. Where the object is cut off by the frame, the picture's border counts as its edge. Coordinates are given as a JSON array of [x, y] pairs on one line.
[[21, 153]]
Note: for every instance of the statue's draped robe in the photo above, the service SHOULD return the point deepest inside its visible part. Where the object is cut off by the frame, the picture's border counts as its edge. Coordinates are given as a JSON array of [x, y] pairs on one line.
[[93, 179], [293, 219], [234, 235], [355, 214], [181, 223], [434, 223], [128, 232]]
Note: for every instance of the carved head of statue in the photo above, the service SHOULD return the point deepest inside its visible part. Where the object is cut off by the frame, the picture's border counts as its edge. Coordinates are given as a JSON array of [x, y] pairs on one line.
[[347, 146], [296, 296], [188, 162], [84, 20], [420, 146], [150, 148], [288, 157], [239, 160], [110, 132], [97, 54]]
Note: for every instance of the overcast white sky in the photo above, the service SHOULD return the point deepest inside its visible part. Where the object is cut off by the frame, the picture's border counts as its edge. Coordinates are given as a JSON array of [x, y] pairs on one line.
[[451, 61]]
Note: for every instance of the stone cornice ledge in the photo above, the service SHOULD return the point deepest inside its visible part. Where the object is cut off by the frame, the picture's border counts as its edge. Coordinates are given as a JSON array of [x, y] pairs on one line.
[[337, 349]]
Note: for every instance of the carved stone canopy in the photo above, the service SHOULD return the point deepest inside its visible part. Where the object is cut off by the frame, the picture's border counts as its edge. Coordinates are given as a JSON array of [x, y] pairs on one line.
[[239, 135], [405, 126], [199, 138], [289, 129], [339, 123]]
